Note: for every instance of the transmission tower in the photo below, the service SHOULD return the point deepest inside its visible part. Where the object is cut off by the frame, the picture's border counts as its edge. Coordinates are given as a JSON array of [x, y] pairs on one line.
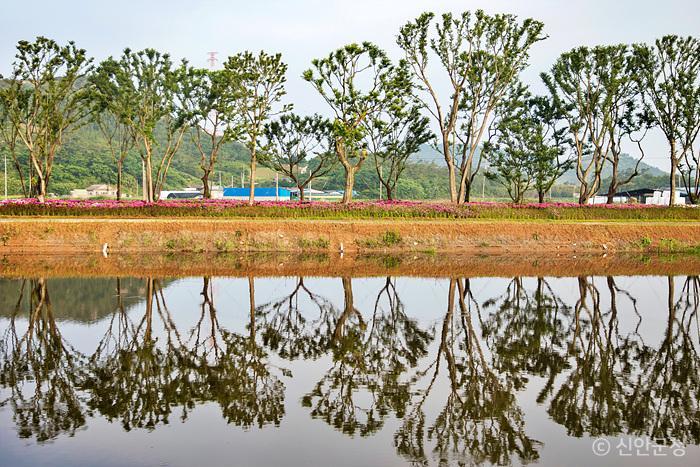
[[212, 59]]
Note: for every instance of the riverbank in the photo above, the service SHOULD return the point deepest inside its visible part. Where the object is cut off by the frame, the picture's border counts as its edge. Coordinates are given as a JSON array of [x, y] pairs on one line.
[[171, 235], [175, 265]]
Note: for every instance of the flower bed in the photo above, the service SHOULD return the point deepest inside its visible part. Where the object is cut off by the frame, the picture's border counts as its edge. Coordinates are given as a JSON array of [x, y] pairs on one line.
[[356, 210]]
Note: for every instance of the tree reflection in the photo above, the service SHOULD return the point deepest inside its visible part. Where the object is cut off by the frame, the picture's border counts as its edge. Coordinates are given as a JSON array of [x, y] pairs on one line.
[[664, 400], [453, 385], [291, 330], [526, 332], [370, 355], [480, 420], [40, 369], [145, 377]]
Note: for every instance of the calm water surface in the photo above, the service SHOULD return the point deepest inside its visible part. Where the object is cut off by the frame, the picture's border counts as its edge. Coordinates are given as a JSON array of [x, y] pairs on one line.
[[302, 371]]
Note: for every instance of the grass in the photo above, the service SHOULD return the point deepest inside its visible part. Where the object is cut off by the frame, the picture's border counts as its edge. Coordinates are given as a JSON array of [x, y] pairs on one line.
[[409, 210]]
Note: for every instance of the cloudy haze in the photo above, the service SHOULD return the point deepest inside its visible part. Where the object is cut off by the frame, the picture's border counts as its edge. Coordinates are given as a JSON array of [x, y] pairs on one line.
[[302, 30]]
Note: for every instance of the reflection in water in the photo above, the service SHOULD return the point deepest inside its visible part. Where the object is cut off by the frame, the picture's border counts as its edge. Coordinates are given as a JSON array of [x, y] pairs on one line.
[[41, 369], [452, 385], [480, 419]]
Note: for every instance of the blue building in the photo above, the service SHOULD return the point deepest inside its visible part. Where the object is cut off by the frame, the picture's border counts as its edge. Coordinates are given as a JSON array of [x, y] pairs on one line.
[[261, 194]]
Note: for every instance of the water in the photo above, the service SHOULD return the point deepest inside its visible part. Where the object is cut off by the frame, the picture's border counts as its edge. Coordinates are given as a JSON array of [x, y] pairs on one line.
[[388, 371]]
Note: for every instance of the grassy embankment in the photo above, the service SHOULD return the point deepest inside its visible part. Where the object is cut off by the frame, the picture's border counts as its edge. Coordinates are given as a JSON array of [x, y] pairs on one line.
[[224, 226]]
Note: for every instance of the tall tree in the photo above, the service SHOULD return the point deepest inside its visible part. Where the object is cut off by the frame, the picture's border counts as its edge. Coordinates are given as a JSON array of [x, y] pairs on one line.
[[394, 134], [300, 148], [44, 102], [153, 93], [9, 135], [356, 81], [214, 116], [112, 108], [260, 87], [669, 75], [591, 88], [530, 147], [481, 55]]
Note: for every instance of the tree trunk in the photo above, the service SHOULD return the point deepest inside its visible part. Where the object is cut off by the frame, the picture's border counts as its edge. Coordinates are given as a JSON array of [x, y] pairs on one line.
[[540, 196], [120, 163], [41, 189], [389, 192], [150, 195], [464, 192], [251, 299], [349, 183], [301, 193], [447, 152], [613, 183], [206, 189], [674, 165], [251, 196]]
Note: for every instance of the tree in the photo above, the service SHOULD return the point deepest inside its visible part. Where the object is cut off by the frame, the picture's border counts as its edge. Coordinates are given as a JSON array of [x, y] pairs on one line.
[[260, 86], [151, 93], [293, 140], [591, 88], [44, 102], [394, 134], [111, 110], [9, 135], [529, 148], [668, 75], [215, 118], [356, 81], [481, 55]]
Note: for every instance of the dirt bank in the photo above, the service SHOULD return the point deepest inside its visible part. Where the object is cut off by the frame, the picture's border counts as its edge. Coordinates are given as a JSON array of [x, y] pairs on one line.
[[348, 265], [234, 235]]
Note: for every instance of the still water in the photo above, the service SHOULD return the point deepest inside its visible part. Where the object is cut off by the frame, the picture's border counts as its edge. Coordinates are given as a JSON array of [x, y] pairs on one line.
[[338, 371]]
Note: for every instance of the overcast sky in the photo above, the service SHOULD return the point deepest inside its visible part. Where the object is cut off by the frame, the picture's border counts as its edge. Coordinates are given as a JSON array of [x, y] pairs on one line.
[[305, 29]]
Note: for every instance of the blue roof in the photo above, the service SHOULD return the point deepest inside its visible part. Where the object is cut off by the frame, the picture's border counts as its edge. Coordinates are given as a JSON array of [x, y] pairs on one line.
[[268, 192]]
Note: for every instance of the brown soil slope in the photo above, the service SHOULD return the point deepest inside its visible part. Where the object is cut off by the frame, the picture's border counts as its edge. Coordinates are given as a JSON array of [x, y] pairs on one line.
[[235, 235]]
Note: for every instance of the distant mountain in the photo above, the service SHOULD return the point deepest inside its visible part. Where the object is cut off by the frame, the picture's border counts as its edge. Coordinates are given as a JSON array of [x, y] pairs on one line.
[[627, 164], [429, 154]]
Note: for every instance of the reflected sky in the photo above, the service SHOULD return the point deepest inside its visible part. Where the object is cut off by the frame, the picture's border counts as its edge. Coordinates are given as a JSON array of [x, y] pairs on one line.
[[363, 371]]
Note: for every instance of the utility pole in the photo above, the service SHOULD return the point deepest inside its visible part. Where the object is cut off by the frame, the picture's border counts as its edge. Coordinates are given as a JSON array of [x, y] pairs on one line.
[[242, 182], [277, 186], [5, 154]]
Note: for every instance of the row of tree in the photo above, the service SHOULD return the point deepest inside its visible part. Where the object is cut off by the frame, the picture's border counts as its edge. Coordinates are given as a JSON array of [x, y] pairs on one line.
[[481, 351], [599, 99]]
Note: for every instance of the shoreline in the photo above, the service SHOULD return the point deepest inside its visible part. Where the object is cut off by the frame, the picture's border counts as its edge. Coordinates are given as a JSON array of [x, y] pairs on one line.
[[168, 235], [347, 265]]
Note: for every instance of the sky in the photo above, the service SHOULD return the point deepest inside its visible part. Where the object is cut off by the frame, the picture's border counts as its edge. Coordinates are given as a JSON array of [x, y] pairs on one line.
[[305, 29]]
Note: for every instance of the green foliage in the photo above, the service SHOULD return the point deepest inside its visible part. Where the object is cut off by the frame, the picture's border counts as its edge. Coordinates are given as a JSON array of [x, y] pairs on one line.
[[356, 81], [393, 134], [482, 56], [529, 146], [668, 75], [293, 141], [592, 89], [42, 102], [259, 88]]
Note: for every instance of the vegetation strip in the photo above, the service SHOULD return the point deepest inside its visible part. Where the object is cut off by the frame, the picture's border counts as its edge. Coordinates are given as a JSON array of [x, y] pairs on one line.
[[356, 210]]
